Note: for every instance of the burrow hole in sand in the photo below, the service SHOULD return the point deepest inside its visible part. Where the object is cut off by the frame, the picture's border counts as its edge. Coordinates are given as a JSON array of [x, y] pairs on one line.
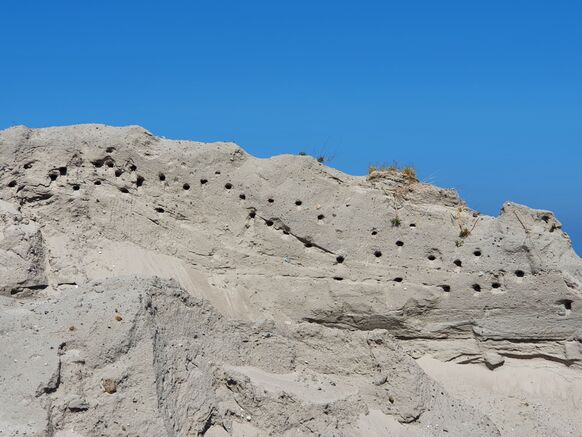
[[63, 171], [161, 177], [124, 190], [458, 263], [270, 200], [242, 196], [203, 181], [340, 259], [398, 279], [320, 217], [139, 181], [566, 303], [159, 209], [269, 222], [12, 184], [76, 187], [495, 285], [228, 185], [186, 186], [400, 243], [110, 149], [446, 288], [118, 172], [431, 257], [519, 273], [338, 278], [252, 214], [477, 253], [97, 182], [377, 253], [476, 287], [298, 202]]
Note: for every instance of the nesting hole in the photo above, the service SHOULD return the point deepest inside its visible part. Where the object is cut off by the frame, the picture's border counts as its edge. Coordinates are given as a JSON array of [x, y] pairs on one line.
[[12, 184], [110, 149], [377, 253], [203, 181], [308, 244], [53, 176], [269, 222], [270, 200], [97, 182], [76, 187], [217, 172], [340, 259], [228, 185], [186, 186], [477, 253], [431, 257], [298, 202], [139, 181], [398, 279], [567, 303], [118, 172], [546, 218], [252, 214], [476, 287], [458, 263], [110, 164], [124, 190], [159, 209], [519, 273], [446, 288], [495, 285], [400, 243], [338, 278], [242, 196], [412, 225], [162, 177], [132, 167], [320, 217], [374, 232], [63, 171]]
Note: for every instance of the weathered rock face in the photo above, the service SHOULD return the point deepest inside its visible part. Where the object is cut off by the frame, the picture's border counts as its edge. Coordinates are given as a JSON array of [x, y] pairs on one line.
[[283, 239]]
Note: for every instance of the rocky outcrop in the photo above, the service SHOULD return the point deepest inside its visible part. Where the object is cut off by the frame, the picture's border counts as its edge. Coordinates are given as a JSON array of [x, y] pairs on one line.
[[347, 271]]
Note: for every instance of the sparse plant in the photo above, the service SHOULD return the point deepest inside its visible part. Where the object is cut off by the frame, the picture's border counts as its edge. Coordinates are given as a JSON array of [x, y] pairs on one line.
[[464, 233], [459, 243], [395, 222], [383, 168], [409, 173], [302, 154]]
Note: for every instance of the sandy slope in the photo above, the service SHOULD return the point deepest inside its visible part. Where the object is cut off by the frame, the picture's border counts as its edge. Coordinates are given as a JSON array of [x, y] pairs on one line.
[[210, 287]]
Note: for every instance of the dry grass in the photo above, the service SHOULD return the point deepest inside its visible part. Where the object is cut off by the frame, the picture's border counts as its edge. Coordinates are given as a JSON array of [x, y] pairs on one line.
[[408, 172]]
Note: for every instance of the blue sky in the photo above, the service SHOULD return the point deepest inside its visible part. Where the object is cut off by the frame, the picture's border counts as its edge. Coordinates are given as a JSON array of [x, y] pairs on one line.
[[483, 96]]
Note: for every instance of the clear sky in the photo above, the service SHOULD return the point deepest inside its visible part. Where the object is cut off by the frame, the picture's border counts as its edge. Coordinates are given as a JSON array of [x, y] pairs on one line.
[[483, 96]]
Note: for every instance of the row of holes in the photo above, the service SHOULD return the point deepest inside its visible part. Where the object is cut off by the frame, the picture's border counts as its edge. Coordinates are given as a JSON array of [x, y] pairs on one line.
[[228, 186]]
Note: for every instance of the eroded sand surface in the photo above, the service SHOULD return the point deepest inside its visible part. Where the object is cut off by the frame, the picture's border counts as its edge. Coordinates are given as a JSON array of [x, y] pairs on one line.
[[151, 287]]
